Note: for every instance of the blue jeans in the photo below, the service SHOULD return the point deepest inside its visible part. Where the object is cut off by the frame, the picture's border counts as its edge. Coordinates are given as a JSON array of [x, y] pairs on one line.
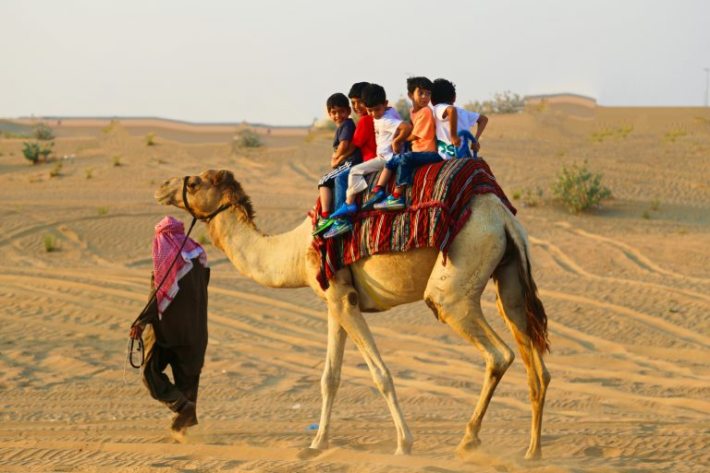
[[407, 163], [339, 187]]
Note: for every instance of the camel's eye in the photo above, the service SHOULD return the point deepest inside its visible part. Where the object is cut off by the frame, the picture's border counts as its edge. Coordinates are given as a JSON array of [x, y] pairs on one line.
[[193, 182]]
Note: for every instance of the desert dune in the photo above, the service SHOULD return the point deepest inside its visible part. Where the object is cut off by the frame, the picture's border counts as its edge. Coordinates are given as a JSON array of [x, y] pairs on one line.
[[626, 288]]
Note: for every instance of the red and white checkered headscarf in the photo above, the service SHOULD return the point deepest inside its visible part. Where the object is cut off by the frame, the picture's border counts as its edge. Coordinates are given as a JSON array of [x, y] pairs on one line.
[[169, 236]]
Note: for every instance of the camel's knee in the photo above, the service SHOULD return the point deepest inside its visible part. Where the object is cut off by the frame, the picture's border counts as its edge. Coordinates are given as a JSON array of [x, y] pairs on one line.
[[500, 362]]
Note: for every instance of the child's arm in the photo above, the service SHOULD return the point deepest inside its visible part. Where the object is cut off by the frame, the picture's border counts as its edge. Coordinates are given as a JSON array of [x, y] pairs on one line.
[[453, 125], [481, 125], [345, 148], [403, 131]]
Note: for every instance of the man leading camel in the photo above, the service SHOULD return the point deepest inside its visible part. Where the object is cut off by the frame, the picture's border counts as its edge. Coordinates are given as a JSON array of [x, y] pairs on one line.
[[178, 316]]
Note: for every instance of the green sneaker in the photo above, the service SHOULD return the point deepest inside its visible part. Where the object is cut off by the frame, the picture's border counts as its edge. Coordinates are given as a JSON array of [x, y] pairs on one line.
[[322, 225], [338, 228], [391, 203]]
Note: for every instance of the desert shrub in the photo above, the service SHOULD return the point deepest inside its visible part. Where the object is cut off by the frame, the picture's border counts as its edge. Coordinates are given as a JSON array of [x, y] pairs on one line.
[[116, 159], [50, 243], [45, 150], [402, 106], [102, 211], [532, 198], [578, 188], [31, 151], [108, 129], [150, 139], [646, 215], [617, 133], [655, 205], [43, 133], [89, 173], [246, 139], [503, 102], [56, 170], [672, 135]]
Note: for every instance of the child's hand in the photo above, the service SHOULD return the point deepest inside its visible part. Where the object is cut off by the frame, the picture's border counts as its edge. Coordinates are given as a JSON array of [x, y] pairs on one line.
[[456, 141], [396, 146], [477, 146], [334, 162]]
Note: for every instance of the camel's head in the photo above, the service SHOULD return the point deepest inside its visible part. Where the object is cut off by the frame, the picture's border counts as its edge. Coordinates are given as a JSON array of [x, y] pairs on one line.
[[205, 193]]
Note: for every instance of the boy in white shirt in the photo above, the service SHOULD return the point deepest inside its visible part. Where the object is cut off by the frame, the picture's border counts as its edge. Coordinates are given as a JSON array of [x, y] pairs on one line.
[[390, 133], [452, 122]]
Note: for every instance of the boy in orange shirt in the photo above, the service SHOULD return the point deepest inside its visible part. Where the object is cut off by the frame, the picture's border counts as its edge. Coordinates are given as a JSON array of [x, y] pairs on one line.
[[423, 141]]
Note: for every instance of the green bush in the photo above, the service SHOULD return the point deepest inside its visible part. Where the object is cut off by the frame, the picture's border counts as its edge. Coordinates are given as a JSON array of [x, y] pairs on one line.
[[246, 139], [402, 106], [31, 151], [50, 243], [503, 102], [43, 133], [579, 189]]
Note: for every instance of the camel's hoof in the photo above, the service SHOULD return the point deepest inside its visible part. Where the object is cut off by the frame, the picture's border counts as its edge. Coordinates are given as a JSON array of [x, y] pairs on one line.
[[309, 452], [467, 446], [403, 450], [533, 454]]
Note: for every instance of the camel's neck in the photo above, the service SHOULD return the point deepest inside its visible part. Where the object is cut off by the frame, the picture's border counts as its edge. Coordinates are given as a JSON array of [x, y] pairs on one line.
[[270, 260]]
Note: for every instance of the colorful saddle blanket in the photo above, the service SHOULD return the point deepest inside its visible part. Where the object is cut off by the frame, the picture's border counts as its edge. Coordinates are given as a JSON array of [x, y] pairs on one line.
[[437, 208]]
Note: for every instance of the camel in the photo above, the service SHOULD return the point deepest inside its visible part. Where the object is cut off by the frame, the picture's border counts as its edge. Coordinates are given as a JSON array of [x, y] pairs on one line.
[[492, 244]]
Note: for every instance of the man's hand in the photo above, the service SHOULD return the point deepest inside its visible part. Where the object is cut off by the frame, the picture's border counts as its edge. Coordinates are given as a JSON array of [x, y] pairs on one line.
[[396, 146], [477, 146], [456, 140], [136, 332]]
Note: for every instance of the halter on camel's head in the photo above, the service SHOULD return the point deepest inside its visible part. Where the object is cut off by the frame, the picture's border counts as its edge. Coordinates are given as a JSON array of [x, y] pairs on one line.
[[231, 194]]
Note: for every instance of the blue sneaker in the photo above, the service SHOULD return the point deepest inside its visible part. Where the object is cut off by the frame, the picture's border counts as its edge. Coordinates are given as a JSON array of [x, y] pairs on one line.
[[344, 210], [379, 196], [338, 228], [391, 203], [322, 225]]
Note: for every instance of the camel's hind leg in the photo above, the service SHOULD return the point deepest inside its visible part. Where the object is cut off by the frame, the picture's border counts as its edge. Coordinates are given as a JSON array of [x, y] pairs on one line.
[[454, 294], [511, 305]]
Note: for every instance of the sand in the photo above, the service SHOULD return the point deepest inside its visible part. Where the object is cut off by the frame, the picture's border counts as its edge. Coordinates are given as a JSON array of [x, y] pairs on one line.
[[626, 287]]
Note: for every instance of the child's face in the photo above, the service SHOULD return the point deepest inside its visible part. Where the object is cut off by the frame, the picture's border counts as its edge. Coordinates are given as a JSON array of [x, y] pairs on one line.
[[358, 106], [339, 114], [377, 111], [420, 97]]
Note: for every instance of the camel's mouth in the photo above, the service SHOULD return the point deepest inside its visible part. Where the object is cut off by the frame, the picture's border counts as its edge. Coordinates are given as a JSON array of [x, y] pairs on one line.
[[167, 192]]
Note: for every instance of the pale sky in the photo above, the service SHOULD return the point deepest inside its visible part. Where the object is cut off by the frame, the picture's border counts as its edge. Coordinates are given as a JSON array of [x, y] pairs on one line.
[[276, 62]]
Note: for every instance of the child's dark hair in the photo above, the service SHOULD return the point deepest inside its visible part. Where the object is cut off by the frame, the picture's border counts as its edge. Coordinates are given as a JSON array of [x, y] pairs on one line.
[[442, 91], [337, 100], [356, 90], [422, 83], [373, 95]]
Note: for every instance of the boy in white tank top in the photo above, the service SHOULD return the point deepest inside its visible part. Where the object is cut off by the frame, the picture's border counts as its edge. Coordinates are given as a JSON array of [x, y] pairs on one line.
[[451, 121]]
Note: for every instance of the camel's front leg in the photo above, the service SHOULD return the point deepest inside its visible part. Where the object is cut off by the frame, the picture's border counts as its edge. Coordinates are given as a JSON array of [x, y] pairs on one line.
[[330, 381], [344, 306]]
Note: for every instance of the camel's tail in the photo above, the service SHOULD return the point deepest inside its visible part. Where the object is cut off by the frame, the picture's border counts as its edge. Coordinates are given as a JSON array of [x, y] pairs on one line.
[[535, 311]]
